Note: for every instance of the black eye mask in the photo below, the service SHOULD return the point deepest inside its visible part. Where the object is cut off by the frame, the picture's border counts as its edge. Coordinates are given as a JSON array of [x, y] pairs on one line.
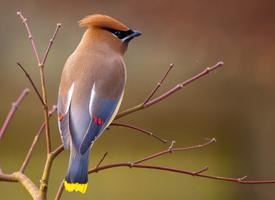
[[120, 34]]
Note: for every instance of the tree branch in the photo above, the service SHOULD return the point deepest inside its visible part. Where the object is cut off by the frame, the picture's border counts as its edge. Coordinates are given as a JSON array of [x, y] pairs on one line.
[[24, 180], [159, 84], [50, 155], [60, 191], [24, 21], [31, 82], [169, 92], [102, 159], [12, 111], [45, 108], [171, 149], [140, 130], [58, 25], [34, 142], [198, 173]]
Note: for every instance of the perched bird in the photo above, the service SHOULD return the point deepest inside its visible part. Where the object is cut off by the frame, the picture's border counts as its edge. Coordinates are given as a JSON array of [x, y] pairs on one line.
[[91, 90]]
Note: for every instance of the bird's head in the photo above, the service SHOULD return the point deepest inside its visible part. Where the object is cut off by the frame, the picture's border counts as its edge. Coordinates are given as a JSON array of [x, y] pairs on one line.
[[109, 30]]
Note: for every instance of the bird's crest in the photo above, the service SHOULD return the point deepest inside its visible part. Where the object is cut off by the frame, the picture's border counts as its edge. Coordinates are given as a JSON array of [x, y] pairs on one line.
[[102, 21]]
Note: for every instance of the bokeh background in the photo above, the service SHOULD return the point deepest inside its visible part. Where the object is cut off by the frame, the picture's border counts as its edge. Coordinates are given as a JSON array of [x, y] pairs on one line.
[[236, 104]]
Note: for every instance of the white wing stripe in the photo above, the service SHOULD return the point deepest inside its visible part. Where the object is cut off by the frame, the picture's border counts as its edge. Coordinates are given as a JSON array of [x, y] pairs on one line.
[[69, 98], [92, 100]]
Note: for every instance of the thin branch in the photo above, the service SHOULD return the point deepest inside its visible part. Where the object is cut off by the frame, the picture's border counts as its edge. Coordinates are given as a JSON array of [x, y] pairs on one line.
[[136, 164], [50, 155], [58, 25], [24, 180], [204, 169], [7, 178], [198, 173], [42, 76], [192, 173], [32, 83], [102, 159], [159, 84], [184, 83], [45, 107], [24, 21], [34, 142], [28, 184], [60, 191], [47, 170], [171, 149], [57, 151], [12, 111], [139, 129], [169, 92]]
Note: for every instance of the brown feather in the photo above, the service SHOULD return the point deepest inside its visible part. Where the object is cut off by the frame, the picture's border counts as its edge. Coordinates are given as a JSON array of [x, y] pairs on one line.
[[102, 21]]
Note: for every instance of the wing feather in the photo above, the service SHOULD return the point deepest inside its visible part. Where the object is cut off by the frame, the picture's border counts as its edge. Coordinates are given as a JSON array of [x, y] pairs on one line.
[[63, 107], [101, 111]]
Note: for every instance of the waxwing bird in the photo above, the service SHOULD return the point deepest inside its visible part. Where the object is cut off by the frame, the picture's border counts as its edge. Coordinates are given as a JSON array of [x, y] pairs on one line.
[[91, 90]]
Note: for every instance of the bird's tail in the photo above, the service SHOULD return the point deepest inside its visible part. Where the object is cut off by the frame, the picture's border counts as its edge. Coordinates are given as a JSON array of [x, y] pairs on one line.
[[77, 175]]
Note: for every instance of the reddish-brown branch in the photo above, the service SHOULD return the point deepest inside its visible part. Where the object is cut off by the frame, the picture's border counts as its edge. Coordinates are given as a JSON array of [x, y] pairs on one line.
[[171, 149], [140, 130], [187, 172], [198, 173], [24, 21], [159, 84], [60, 191], [24, 180], [102, 159], [34, 142], [169, 92], [58, 25], [31, 82], [58, 150], [50, 155], [12, 111], [184, 83]]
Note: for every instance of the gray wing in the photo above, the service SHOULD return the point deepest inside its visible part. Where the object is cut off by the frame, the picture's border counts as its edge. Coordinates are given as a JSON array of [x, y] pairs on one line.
[[63, 110]]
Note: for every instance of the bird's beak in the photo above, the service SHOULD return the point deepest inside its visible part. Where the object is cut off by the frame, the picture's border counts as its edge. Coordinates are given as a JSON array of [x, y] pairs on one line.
[[131, 36]]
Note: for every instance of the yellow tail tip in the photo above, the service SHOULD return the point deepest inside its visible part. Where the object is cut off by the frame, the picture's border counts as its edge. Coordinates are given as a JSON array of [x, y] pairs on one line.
[[78, 187]]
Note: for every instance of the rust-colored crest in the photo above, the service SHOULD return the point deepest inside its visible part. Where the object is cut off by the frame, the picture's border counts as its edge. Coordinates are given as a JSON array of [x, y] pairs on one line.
[[103, 21]]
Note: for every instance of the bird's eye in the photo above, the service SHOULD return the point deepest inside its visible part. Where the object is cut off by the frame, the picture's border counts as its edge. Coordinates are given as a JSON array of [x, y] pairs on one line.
[[118, 34]]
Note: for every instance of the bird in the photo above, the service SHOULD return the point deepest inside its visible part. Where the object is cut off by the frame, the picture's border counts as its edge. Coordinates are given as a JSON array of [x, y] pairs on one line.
[[91, 90]]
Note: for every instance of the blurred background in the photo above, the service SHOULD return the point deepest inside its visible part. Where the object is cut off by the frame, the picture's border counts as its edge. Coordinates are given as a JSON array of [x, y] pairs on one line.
[[235, 104]]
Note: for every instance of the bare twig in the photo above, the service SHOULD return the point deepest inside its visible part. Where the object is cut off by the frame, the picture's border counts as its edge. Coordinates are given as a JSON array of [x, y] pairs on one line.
[[102, 159], [45, 108], [47, 170], [58, 25], [12, 111], [24, 180], [60, 191], [7, 178], [159, 84], [31, 82], [140, 130], [50, 155], [34, 142], [192, 173], [28, 184], [198, 173], [171, 149], [204, 169], [24, 21], [58, 150], [169, 92], [42, 78]]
